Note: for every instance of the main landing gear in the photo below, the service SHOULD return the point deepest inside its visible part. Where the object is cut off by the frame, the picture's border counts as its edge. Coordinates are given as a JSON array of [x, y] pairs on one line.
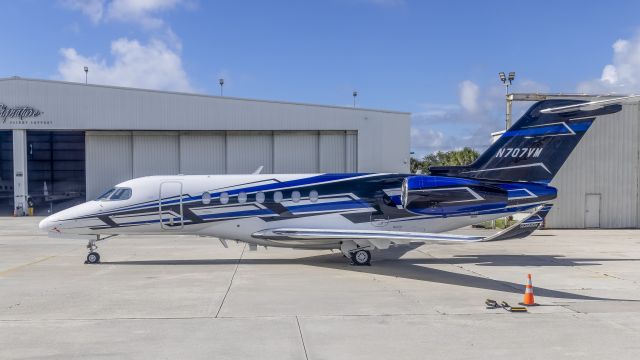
[[360, 256]]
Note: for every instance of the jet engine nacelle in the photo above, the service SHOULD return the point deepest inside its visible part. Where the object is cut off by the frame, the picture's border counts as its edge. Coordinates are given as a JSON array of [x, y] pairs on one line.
[[441, 195]]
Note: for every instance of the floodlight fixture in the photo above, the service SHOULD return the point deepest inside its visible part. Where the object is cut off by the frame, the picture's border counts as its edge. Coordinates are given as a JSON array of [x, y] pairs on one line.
[[507, 82]]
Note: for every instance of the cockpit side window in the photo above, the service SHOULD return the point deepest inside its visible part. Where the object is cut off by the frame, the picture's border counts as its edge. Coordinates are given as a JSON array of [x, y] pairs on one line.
[[121, 194], [106, 194]]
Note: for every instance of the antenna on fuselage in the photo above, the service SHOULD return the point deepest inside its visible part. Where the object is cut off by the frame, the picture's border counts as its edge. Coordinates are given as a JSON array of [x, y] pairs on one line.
[[258, 170]]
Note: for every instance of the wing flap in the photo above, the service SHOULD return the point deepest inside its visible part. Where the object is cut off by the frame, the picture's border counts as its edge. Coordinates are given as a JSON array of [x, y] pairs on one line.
[[374, 236]]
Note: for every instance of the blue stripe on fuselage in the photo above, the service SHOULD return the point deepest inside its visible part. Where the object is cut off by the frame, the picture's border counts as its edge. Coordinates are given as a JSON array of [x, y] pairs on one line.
[[234, 214], [330, 206]]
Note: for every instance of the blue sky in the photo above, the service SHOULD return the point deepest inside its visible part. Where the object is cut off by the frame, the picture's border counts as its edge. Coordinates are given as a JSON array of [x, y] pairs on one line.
[[437, 60]]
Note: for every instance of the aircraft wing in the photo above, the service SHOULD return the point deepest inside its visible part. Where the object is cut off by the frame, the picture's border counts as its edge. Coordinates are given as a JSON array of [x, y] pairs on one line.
[[383, 239]]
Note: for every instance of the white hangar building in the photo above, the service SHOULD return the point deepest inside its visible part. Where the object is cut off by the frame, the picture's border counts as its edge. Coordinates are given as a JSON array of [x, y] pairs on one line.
[[63, 143]]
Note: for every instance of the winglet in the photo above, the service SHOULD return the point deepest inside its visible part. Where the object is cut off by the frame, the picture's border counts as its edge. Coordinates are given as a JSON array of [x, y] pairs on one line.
[[524, 227], [258, 170]]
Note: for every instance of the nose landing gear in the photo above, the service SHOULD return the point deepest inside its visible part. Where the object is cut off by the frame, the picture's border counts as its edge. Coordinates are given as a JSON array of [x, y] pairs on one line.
[[93, 257]]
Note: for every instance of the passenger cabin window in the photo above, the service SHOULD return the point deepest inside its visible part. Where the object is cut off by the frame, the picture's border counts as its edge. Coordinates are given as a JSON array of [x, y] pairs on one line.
[[313, 196], [260, 197], [277, 196], [224, 198], [206, 198], [295, 196], [242, 197]]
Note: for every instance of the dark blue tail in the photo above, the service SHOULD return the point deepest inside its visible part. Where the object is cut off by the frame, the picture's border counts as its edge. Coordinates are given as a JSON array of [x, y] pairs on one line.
[[535, 147]]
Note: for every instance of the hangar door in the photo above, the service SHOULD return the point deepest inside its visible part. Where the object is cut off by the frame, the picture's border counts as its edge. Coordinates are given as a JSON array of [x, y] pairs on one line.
[[291, 151], [6, 173], [116, 156], [310, 152]]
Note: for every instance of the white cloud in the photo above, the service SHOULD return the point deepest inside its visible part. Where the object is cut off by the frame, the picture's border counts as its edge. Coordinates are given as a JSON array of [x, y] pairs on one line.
[[426, 138], [469, 92], [152, 66], [531, 86], [470, 122], [479, 112], [143, 12], [623, 74], [94, 9]]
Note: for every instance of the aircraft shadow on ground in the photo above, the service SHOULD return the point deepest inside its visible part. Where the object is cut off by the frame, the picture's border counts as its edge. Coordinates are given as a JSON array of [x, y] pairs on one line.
[[413, 270], [417, 268]]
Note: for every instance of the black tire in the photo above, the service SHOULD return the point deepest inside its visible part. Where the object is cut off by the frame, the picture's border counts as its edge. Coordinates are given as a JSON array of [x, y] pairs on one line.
[[93, 258], [361, 257]]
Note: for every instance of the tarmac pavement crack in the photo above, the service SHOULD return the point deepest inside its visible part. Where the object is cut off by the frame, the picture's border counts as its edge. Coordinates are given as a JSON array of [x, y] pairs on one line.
[[620, 278], [568, 307], [231, 281], [304, 347]]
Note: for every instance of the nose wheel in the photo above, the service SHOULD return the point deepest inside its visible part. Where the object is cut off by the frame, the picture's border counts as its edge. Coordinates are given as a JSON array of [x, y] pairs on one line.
[[93, 257]]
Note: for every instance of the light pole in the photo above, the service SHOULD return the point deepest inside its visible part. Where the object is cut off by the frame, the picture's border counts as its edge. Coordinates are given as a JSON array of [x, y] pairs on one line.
[[355, 94], [86, 75], [221, 81], [507, 81]]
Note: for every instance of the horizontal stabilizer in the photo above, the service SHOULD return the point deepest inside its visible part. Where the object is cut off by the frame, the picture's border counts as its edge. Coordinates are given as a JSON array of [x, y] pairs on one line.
[[382, 239], [593, 105]]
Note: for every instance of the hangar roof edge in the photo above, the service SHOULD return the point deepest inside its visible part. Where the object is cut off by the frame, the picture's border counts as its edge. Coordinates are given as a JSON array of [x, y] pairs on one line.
[[18, 78]]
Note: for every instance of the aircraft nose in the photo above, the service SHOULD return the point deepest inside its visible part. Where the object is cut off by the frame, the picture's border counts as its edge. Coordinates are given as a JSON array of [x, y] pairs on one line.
[[47, 223]]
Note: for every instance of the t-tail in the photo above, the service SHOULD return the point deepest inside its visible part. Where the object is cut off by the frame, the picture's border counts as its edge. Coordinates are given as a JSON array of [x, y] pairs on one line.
[[537, 145]]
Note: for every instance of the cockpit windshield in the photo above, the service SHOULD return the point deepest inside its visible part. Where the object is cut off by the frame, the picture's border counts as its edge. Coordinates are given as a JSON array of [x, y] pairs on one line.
[[106, 194], [115, 194]]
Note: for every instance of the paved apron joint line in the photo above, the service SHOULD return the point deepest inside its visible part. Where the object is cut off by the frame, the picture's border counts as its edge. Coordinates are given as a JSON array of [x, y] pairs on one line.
[[231, 281]]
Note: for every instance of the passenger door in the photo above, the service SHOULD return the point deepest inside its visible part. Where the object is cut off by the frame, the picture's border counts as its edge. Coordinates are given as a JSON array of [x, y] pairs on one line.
[[170, 205]]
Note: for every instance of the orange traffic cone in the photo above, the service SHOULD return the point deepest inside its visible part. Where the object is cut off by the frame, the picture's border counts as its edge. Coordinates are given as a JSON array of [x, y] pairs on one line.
[[528, 294]]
